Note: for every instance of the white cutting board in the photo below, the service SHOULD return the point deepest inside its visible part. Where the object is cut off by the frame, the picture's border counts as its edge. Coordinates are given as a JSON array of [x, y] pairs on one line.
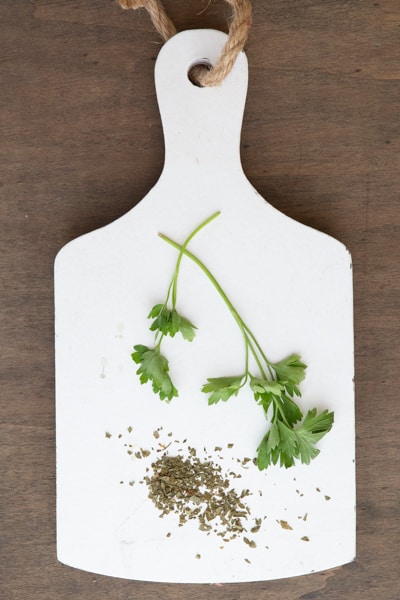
[[293, 287]]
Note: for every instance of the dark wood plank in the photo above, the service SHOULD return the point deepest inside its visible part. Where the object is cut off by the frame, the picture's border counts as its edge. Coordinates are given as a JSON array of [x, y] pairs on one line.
[[81, 143]]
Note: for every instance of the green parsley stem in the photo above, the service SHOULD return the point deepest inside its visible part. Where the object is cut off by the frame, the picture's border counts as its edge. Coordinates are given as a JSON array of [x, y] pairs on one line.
[[242, 326], [174, 281], [158, 346], [249, 344], [253, 337]]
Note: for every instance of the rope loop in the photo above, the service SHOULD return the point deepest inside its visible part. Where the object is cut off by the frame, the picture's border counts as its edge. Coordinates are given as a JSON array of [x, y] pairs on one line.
[[238, 32]]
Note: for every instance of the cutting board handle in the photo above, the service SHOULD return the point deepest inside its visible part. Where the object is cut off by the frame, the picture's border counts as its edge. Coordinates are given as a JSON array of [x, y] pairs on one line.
[[201, 125]]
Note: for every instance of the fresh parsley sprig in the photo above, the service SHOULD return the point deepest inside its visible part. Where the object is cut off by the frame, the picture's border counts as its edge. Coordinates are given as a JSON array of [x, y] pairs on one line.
[[154, 367], [274, 385]]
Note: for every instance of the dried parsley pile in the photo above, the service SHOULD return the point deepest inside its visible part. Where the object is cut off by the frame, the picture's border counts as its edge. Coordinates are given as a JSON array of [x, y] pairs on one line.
[[196, 489]]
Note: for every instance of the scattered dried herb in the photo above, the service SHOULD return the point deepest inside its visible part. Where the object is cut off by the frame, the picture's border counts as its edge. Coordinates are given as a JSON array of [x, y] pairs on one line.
[[257, 526], [198, 489], [285, 525]]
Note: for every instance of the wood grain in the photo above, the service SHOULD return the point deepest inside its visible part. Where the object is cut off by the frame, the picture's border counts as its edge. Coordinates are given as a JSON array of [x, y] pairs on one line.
[[81, 143]]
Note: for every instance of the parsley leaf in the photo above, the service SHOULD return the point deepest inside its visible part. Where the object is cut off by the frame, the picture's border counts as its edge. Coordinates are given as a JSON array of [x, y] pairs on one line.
[[265, 391], [313, 428], [170, 322], [276, 445], [291, 371], [284, 444], [265, 386], [291, 412], [222, 388], [154, 368]]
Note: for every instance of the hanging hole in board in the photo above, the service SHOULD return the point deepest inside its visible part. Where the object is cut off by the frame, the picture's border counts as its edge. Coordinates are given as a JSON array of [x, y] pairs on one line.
[[197, 69]]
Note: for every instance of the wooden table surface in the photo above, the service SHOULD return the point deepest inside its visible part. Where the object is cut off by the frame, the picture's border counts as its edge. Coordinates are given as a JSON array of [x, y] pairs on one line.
[[81, 143]]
